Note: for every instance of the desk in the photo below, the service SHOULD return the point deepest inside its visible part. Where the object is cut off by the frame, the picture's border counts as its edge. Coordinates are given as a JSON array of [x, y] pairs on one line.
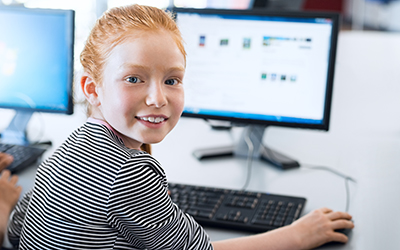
[[363, 142]]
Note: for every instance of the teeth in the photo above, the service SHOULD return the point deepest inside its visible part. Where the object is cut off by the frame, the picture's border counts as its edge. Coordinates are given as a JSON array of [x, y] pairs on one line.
[[152, 119]]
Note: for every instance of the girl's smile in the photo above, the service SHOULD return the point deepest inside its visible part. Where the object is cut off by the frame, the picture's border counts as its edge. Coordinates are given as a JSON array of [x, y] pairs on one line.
[[153, 121]]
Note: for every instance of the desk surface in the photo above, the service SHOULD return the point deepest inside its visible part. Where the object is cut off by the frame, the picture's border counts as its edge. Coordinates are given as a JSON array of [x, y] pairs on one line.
[[363, 142]]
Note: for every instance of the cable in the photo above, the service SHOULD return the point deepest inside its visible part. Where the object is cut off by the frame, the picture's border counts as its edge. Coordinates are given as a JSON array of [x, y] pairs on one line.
[[249, 158], [346, 181], [271, 155]]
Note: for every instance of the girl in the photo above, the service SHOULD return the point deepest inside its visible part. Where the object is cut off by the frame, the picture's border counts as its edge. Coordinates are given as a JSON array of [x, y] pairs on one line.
[[100, 189]]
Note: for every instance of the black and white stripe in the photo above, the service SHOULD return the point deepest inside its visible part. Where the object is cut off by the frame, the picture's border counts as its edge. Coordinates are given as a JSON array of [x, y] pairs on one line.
[[94, 193]]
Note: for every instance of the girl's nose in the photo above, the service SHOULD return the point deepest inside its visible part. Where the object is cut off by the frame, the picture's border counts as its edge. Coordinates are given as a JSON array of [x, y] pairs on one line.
[[156, 96]]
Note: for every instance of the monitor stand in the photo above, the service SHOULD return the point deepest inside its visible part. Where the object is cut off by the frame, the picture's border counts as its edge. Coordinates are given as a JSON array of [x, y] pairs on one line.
[[15, 133], [255, 133]]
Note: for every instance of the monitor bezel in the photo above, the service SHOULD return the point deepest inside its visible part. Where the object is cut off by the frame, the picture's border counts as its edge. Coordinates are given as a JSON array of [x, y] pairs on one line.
[[335, 17], [70, 19]]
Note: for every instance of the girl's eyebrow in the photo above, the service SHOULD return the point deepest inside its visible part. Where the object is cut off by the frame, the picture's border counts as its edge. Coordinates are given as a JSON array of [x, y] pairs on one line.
[[131, 65], [178, 68], [138, 66]]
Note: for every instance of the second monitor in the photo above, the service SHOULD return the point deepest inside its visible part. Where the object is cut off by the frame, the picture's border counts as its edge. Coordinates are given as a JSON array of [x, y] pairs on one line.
[[259, 68], [36, 65]]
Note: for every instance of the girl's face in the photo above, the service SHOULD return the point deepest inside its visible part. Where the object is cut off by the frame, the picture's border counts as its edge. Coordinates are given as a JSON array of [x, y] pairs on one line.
[[142, 94]]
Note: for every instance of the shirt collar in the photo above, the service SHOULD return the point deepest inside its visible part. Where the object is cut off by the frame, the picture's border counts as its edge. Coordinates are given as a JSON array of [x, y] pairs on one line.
[[98, 121]]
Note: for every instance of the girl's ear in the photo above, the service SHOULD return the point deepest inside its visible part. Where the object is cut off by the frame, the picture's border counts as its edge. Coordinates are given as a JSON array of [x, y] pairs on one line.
[[89, 89]]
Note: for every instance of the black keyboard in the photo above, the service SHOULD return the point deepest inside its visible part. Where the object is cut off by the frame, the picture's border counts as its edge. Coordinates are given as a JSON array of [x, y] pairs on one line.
[[24, 156], [235, 209]]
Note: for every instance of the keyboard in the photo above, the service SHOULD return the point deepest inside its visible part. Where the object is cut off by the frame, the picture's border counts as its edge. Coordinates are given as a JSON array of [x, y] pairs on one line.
[[24, 156], [235, 209]]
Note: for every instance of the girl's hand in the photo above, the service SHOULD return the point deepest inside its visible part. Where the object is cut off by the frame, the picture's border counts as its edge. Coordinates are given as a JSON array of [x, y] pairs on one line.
[[317, 228], [9, 192], [310, 231]]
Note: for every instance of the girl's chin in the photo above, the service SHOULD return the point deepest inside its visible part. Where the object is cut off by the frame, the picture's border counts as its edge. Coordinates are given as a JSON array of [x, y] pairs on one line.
[[136, 144], [134, 138], [153, 141]]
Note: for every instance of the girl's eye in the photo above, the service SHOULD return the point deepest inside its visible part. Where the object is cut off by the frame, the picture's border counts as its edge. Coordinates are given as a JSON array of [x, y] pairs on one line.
[[133, 79], [171, 82]]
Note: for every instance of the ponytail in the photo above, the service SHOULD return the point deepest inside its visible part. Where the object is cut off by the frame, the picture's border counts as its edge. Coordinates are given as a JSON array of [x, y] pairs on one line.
[[146, 147]]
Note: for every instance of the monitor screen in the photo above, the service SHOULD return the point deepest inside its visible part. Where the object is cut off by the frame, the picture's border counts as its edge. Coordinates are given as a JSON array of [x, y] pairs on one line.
[[259, 67], [36, 59]]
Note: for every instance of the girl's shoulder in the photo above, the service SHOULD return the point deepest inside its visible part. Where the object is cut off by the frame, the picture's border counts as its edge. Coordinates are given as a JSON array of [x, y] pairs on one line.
[[142, 159], [106, 144], [142, 164]]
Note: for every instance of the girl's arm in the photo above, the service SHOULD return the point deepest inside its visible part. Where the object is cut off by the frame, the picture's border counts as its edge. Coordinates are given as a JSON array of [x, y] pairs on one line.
[[140, 209], [310, 231]]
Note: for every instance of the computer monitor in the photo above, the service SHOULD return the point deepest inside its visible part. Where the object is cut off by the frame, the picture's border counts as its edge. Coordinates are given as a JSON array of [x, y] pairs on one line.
[[259, 68], [36, 65]]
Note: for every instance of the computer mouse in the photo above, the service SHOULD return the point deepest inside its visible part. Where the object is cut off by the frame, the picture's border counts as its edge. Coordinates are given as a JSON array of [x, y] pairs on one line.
[[345, 231]]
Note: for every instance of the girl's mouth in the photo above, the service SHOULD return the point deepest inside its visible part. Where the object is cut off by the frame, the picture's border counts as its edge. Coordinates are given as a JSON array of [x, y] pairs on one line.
[[152, 119]]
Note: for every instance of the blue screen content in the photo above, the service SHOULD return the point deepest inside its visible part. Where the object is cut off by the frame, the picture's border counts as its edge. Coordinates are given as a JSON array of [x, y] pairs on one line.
[[265, 68], [35, 60]]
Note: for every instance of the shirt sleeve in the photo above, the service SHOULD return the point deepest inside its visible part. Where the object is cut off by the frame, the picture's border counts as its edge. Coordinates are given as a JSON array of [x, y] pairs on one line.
[[17, 219], [141, 210]]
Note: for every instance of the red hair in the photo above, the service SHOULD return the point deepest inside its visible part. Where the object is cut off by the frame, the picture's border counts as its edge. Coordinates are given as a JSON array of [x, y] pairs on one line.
[[118, 24]]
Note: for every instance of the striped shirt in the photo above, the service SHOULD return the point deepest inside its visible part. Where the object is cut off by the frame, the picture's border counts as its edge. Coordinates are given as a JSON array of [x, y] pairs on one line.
[[95, 193]]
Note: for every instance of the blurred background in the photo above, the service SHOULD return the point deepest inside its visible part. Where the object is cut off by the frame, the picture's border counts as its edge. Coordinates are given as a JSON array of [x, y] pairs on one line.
[[379, 15], [360, 15]]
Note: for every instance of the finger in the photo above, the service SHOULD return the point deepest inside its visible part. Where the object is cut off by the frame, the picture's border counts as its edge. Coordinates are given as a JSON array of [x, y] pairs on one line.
[[339, 215], [14, 179], [19, 189], [339, 237], [5, 174], [3, 164], [5, 160], [325, 210], [339, 224], [6, 156]]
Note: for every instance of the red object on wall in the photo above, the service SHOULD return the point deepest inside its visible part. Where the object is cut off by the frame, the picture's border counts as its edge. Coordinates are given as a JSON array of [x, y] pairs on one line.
[[324, 5]]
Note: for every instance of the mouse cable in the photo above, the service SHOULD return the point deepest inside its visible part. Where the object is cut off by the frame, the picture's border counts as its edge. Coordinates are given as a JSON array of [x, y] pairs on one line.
[[345, 177], [272, 156], [249, 160]]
